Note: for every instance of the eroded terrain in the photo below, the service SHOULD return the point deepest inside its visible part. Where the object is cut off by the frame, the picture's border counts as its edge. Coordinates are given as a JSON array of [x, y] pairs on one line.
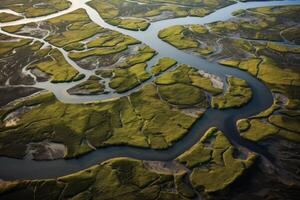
[[264, 42], [149, 101], [137, 15], [33, 8], [211, 157]]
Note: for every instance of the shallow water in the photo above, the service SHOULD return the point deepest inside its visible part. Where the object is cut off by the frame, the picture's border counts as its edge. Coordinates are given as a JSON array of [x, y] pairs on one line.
[[225, 120]]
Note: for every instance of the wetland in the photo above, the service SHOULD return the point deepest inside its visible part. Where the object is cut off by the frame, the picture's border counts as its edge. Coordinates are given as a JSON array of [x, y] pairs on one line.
[[149, 99]]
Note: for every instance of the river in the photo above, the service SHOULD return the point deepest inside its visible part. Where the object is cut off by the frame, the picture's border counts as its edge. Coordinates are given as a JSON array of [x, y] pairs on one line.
[[225, 120]]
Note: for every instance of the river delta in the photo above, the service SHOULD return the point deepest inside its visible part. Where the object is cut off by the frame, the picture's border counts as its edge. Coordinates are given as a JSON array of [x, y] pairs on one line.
[[138, 99]]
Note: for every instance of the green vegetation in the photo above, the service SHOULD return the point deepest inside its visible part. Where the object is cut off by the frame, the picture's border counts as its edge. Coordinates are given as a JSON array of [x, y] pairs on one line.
[[128, 78], [143, 54], [140, 119], [265, 23], [162, 65], [55, 65], [92, 86], [189, 76], [176, 87], [120, 178], [88, 44], [265, 60], [7, 17], [136, 16], [260, 129], [111, 39], [7, 45], [269, 65], [174, 36], [286, 122], [198, 28], [111, 14], [237, 12], [97, 52], [292, 34], [238, 94], [104, 73], [131, 24], [268, 23], [158, 114], [182, 94], [45, 63], [104, 49], [249, 64], [283, 123], [251, 41], [272, 73], [132, 72], [12, 29], [185, 37], [77, 28], [257, 129], [213, 163], [35, 8]]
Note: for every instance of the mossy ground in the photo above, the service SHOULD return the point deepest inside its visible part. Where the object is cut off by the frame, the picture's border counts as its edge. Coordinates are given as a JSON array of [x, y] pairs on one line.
[[24, 53], [35, 8], [189, 76], [211, 161], [11, 50], [182, 94], [162, 65], [135, 16], [151, 117], [118, 121], [264, 42], [213, 164], [132, 72], [251, 41], [90, 46], [128, 78], [92, 86], [98, 124], [280, 119], [148, 118], [238, 94], [6, 17], [121, 178], [174, 36], [78, 35], [56, 66]]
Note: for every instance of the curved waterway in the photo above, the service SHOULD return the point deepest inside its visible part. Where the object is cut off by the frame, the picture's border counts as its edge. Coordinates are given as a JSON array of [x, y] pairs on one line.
[[225, 120]]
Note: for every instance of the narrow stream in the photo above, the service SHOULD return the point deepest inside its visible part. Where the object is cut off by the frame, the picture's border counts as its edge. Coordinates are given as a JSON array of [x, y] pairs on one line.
[[225, 120]]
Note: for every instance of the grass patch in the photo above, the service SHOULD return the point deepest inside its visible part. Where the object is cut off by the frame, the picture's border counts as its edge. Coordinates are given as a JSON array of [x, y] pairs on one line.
[[7, 17], [175, 36], [35, 8], [162, 65], [92, 86], [113, 122], [113, 179], [182, 94], [56, 65], [126, 79], [135, 16], [212, 162], [238, 94]]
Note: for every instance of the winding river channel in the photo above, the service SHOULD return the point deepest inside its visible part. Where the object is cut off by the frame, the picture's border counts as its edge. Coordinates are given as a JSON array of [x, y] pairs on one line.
[[225, 120]]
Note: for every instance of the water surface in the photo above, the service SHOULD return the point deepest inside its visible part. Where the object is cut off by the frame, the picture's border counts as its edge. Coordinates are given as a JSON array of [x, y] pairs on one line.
[[11, 168]]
